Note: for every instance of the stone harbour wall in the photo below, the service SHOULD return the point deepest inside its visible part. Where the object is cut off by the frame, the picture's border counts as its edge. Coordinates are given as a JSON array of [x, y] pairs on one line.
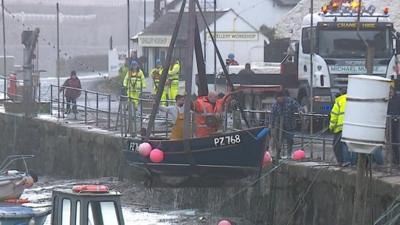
[[60, 149]]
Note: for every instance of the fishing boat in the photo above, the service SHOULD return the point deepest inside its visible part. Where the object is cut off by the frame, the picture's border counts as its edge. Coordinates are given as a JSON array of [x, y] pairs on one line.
[[214, 160]]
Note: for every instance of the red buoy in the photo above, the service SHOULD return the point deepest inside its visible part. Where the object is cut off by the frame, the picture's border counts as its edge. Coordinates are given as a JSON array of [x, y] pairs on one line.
[[267, 160], [156, 155], [298, 155], [144, 149], [224, 222]]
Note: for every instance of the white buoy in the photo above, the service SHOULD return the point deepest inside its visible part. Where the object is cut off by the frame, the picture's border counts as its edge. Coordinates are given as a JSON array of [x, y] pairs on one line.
[[365, 115]]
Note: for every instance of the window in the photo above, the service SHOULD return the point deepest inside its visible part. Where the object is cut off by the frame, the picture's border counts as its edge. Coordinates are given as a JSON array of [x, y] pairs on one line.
[[347, 44], [66, 212], [307, 34], [102, 213], [78, 213]]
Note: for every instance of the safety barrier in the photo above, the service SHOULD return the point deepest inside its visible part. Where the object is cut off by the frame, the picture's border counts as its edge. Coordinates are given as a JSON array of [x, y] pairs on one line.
[[89, 98], [132, 119], [97, 110]]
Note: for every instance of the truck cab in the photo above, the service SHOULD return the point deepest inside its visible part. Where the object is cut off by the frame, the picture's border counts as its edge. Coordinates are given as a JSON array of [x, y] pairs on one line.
[[340, 49]]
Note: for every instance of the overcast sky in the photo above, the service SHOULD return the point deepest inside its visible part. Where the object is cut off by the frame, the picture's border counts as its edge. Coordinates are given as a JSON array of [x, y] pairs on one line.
[[76, 2]]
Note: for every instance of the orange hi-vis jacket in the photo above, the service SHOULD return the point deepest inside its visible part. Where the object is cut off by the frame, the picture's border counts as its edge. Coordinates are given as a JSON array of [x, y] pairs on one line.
[[206, 116]]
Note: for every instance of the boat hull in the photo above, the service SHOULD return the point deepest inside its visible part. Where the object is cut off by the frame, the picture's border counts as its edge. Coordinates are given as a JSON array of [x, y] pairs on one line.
[[10, 187], [212, 160]]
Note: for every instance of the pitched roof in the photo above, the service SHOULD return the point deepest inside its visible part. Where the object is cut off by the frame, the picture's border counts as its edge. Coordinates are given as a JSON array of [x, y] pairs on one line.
[[166, 24]]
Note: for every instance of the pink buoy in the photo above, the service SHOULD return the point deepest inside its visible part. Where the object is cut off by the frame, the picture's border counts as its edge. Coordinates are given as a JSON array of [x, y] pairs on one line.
[[298, 155], [224, 222], [156, 155], [267, 160], [144, 149]]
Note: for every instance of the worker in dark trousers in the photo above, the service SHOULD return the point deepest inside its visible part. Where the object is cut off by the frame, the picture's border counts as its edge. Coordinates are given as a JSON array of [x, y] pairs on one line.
[[285, 108], [394, 112]]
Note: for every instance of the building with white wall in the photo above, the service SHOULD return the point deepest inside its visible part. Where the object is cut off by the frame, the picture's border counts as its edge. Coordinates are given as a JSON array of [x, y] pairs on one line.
[[234, 35]]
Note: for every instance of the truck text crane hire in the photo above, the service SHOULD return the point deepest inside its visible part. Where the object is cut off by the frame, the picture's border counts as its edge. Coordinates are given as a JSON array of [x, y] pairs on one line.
[[339, 52]]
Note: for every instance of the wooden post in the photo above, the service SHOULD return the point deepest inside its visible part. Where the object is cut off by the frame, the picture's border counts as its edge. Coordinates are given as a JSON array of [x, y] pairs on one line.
[[359, 196]]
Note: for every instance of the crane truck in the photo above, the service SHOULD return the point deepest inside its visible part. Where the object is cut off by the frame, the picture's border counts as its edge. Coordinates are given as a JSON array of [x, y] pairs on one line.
[[339, 50]]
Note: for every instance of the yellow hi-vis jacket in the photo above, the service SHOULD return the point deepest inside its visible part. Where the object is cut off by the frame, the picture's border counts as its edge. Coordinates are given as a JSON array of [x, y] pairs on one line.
[[173, 76], [156, 76], [134, 83], [337, 114], [173, 72]]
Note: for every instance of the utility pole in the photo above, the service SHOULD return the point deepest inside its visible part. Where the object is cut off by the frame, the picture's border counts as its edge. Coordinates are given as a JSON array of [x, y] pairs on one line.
[[205, 34], [215, 38], [4, 50], [157, 9], [29, 39], [144, 14], [312, 76], [58, 61], [129, 29]]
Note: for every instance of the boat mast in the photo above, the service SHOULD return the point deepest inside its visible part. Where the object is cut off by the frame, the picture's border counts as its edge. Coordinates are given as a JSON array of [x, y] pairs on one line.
[[188, 66], [222, 63], [164, 74]]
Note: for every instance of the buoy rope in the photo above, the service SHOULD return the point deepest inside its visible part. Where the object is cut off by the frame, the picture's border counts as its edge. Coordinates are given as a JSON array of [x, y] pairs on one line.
[[394, 205], [300, 200], [277, 166], [311, 137]]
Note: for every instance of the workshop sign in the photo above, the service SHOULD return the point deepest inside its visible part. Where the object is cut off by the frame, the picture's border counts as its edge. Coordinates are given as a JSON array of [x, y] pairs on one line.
[[235, 36]]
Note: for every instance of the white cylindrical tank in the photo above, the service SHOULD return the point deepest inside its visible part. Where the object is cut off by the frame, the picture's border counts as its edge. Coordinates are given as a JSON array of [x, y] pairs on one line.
[[365, 115]]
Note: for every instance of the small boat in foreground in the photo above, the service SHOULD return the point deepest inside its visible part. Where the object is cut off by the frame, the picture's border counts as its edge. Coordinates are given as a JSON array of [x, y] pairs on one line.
[[11, 185], [14, 182], [87, 204], [14, 214]]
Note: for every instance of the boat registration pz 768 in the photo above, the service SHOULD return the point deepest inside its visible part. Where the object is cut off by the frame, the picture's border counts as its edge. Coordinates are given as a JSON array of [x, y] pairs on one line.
[[227, 140]]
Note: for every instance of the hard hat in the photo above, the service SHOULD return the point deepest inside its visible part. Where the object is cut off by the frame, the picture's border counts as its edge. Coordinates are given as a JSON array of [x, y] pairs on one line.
[[134, 65], [231, 56]]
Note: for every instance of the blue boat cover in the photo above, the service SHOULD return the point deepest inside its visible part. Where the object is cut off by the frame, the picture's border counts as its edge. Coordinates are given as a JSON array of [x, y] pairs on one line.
[[15, 210]]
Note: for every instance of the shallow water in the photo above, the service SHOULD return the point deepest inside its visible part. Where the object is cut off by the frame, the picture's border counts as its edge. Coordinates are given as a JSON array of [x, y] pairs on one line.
[[134, 211]]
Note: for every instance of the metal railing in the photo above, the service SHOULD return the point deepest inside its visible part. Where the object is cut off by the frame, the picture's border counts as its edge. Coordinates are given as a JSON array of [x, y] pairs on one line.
[[95, 108], [134, 113], [90, 107]]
